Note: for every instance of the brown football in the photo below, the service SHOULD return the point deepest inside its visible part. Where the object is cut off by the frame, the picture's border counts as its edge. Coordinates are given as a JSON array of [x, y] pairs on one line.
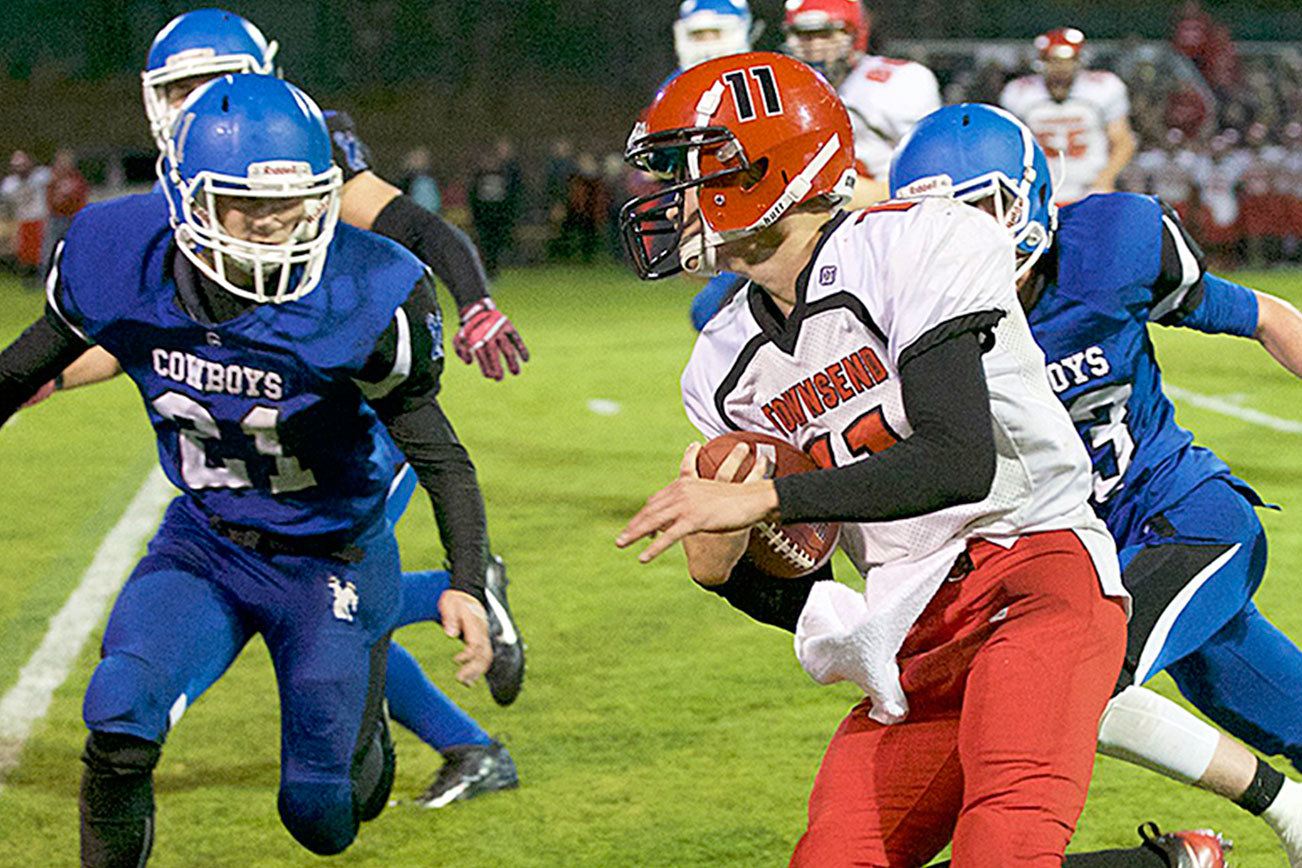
[[786, 551]]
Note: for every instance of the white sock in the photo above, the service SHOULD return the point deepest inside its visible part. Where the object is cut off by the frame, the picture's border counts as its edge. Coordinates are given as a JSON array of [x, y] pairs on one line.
[[1287, 805], [1285, 816], [1149, 730]]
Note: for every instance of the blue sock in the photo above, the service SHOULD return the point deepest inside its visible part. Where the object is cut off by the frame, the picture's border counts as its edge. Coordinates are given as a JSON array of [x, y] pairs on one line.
[[421, 707], [420, 596]]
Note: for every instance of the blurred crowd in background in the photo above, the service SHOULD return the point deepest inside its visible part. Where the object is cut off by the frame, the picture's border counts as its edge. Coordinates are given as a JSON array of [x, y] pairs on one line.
[[1219, 125]]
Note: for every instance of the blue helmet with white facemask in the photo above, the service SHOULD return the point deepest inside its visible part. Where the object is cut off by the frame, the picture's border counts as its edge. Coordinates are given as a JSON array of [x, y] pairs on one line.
[[975, 152], [707, 29], [252, 137], [204, 43]]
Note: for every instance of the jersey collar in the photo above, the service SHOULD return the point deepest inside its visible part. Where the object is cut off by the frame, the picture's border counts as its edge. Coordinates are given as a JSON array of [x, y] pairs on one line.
[[784, 331]]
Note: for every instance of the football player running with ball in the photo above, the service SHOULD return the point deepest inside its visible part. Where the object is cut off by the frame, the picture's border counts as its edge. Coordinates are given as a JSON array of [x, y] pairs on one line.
[[1093, 276], [196, 47], [992, 588], [273, 349]]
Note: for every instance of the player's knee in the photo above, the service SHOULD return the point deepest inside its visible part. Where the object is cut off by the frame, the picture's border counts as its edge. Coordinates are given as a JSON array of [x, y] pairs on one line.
[[320, 815], [113, 753], [127, 693]]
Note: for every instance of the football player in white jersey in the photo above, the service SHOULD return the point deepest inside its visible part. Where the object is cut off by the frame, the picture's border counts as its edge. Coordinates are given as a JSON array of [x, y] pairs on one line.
[[1081, 117], [889, 344], [706, 29], [885, 96]]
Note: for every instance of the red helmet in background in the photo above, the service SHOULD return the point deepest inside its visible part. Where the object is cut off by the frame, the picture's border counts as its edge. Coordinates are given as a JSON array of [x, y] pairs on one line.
[[1064, 43], [849, 15], [752, 135], [829, 35]]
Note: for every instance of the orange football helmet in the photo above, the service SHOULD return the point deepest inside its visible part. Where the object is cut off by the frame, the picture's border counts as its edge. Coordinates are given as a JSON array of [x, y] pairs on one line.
[[752, 135]]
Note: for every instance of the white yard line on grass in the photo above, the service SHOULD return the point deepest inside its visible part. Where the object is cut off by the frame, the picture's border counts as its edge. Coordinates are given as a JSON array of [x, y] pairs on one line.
[[1234, 411], [28, 700], [604, 407]]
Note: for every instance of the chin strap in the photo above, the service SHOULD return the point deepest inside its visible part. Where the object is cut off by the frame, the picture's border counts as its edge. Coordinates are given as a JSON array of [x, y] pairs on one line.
[[798, 188], [796, 191]]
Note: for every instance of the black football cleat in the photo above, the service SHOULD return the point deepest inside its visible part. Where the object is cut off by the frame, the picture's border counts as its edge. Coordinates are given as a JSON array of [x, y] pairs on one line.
[[1199, 848], [468, 771], [505, 675]]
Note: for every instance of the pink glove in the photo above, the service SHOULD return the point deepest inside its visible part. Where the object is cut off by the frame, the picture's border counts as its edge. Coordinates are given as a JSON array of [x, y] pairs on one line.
[[41, 394], [485, 332]]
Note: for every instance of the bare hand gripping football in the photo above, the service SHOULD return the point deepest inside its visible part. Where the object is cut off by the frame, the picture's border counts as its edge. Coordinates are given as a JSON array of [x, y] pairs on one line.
[[698, 502]]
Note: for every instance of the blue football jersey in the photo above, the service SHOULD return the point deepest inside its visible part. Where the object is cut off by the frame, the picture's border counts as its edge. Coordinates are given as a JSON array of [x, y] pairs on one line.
[[1123, 261], [260, 418]]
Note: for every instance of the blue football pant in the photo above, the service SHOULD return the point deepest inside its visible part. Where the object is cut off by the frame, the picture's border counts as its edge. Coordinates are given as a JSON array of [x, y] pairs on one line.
[[414, 701], [1192, 570], [196, 599]]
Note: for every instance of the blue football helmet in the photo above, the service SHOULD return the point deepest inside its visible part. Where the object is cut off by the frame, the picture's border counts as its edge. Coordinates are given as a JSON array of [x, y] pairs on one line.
[[973, 152], [253, 137], [205, 43], [707, 29]]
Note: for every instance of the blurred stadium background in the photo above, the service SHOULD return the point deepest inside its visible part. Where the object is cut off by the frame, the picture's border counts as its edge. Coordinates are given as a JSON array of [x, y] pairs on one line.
[[542, 94], [656, 727]]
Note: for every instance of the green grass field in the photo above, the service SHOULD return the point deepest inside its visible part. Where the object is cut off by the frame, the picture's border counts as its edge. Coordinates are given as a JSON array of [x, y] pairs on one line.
[[657, 727]]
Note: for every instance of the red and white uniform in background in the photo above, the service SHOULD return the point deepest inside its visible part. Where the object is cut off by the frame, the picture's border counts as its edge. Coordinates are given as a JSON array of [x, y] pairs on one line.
[[1076, 128], [25, 196], [885, 98], [1263, 204], [1169, 176], [883, 281], [1218, 177]]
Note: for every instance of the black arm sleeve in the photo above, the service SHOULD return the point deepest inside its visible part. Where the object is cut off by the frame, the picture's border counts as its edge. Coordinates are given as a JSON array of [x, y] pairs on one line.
[[447, 250], [777, 602], [411, 412], [1178, 289], [948, 460], [36, 357]]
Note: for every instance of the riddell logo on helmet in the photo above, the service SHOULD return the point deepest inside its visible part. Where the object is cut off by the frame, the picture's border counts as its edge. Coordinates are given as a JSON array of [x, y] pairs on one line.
[[280, 169], [935, 185]]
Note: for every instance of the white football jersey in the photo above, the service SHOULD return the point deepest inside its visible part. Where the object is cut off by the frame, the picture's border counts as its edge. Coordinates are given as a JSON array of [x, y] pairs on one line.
[[886, 283], [1076, 128], [885, 98]]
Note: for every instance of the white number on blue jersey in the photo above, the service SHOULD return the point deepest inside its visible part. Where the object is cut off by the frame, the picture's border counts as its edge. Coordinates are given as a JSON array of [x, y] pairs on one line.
[[1106, 408], [259, 423]]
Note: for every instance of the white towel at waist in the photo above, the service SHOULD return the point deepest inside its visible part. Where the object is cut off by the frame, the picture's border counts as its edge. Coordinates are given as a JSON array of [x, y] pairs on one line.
[[845, 636]]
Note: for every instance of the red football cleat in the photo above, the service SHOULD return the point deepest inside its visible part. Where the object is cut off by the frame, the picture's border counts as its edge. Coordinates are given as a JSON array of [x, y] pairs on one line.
[[1199, 848]]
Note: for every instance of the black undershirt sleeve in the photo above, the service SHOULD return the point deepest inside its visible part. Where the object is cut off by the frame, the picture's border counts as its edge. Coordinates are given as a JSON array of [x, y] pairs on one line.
[[411, 412], [36, 357], [777, 602], [948, 460], [447, 250]]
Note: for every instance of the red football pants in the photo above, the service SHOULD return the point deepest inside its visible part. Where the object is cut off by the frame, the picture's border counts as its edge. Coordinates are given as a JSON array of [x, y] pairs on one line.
[[1007, 672]]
